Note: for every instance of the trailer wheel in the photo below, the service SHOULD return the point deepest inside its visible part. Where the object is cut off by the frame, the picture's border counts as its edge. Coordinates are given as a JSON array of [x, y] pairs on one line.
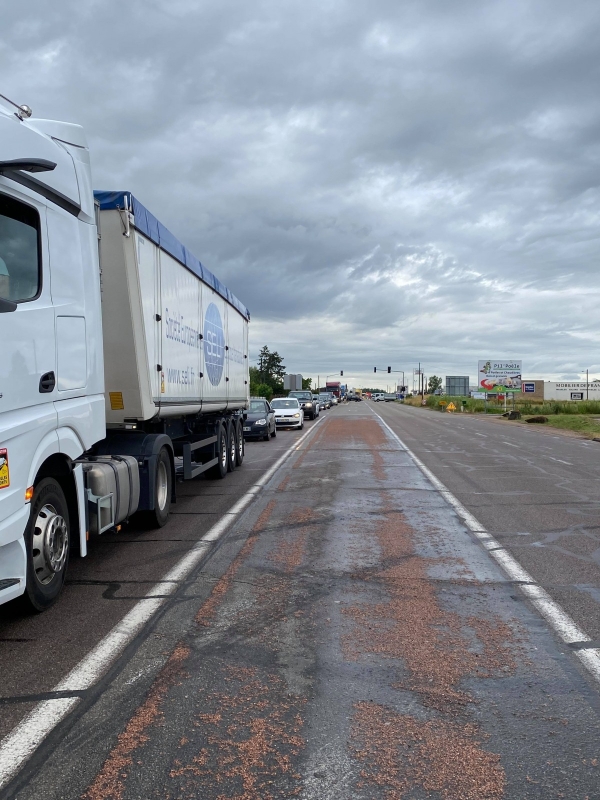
[[47, 544], [231, 446], [163, 489], [239, 453], [220, 469]]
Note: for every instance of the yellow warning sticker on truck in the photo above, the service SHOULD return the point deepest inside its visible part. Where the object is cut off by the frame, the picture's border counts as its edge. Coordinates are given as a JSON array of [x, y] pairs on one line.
[[4, 473], [116, 401]]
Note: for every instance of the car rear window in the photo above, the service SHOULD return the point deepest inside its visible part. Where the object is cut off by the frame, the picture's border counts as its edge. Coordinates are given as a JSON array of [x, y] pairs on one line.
[[289, 402]]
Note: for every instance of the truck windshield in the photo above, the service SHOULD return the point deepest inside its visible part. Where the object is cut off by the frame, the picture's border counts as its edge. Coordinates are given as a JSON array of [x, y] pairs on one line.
[[19, 250]]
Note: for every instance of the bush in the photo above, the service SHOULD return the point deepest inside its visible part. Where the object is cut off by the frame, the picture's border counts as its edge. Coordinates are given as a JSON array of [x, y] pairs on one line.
[[261, 390]]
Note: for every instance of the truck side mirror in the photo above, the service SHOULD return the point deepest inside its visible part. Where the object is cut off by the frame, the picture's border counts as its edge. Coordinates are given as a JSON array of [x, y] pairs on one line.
[[6, 306]]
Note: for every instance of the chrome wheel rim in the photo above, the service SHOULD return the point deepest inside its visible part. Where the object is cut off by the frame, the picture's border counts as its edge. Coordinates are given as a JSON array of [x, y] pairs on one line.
[[50, 544], [233, 449], [162, 485], [240, 444], [224, 452]]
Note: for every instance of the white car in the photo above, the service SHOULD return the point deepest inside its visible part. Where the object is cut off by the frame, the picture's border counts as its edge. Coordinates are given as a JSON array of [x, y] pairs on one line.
[[288, 413]]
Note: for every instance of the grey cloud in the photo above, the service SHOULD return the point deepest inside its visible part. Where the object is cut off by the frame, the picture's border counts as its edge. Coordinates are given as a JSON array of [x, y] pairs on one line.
[[404, 180]]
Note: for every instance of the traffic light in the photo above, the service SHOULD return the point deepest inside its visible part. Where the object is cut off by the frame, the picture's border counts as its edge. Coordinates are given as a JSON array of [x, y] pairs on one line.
[[389, 369], [341, 373], [374, 369]]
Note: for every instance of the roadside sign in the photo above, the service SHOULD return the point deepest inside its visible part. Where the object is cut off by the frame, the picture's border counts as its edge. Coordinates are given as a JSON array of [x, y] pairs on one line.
[[478, 395], [451, 407], [499, 376]]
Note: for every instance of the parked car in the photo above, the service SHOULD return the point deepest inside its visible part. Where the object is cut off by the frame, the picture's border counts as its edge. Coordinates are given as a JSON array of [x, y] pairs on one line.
[[305, 398], [325, 400], [260, 422], [288, 413]]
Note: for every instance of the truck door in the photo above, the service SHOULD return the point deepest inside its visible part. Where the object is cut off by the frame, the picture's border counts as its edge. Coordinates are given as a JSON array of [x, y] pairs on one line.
[[27, 341]]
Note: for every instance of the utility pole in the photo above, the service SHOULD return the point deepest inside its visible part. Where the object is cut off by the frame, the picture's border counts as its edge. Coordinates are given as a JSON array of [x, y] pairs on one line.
[[587, 384]]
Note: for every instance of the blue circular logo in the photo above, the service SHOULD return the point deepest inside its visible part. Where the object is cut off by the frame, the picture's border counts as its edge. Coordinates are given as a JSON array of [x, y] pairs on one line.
[[214, 344]]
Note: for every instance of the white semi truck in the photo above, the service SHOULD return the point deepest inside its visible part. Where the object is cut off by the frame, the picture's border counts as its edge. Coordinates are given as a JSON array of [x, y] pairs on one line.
[[123, 360]]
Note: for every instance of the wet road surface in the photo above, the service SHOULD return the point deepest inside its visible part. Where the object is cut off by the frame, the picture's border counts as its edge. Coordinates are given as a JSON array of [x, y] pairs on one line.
[[536, 491], [349, 639]]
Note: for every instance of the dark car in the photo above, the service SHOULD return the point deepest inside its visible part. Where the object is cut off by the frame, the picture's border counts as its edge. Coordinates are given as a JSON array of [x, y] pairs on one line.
[[260, 422], [307, 404]]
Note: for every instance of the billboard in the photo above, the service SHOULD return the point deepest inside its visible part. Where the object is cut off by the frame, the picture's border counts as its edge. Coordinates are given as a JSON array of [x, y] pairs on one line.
[[292, 383], [499, 376], [572, 390], [457, 385]]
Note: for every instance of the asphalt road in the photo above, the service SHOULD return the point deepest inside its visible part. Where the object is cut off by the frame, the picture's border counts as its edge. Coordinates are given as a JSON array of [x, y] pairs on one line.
[[350, 638], [37, 651], [536, 491]]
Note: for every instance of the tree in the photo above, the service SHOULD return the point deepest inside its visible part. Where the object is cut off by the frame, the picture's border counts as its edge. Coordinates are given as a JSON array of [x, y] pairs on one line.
[[271, 368], [307, 383], [269, 373], [435, 383]]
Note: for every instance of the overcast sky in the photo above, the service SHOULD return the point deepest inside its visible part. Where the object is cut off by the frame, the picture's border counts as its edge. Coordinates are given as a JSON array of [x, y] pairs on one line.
[[379, 181]]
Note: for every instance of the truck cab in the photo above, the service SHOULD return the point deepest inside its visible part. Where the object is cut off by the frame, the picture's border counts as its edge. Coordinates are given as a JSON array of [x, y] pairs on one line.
[[51, 375]]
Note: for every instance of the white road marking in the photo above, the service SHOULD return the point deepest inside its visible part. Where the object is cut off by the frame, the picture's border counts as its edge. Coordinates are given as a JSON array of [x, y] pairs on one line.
[[481, 434], [20, 744], [560, 459], [555, 616], [510, 444]]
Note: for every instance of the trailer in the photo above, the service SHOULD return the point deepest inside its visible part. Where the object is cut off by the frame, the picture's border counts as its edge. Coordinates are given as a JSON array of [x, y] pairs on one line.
[[124, 365]]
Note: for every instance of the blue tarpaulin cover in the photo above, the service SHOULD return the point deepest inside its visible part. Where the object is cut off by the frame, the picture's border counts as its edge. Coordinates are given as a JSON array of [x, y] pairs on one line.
[[147, 224]]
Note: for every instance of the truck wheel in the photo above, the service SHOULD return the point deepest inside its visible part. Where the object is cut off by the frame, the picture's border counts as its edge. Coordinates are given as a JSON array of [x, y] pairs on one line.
[[220, 469], [231, 446], [47, 544], [163, 489], [239, 453]]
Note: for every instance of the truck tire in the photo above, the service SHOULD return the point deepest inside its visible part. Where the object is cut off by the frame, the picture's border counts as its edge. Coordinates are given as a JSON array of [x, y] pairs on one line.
[[219, 471], [231, 445], [47, 544], [240, 451], [163, 489]]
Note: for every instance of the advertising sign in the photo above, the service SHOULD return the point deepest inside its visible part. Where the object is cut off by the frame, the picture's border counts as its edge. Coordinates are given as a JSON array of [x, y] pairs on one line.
[[499, 376], [572, 390], [529, 387]]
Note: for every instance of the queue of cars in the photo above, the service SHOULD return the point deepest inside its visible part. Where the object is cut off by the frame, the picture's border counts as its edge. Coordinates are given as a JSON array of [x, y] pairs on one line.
[[263, 418]]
